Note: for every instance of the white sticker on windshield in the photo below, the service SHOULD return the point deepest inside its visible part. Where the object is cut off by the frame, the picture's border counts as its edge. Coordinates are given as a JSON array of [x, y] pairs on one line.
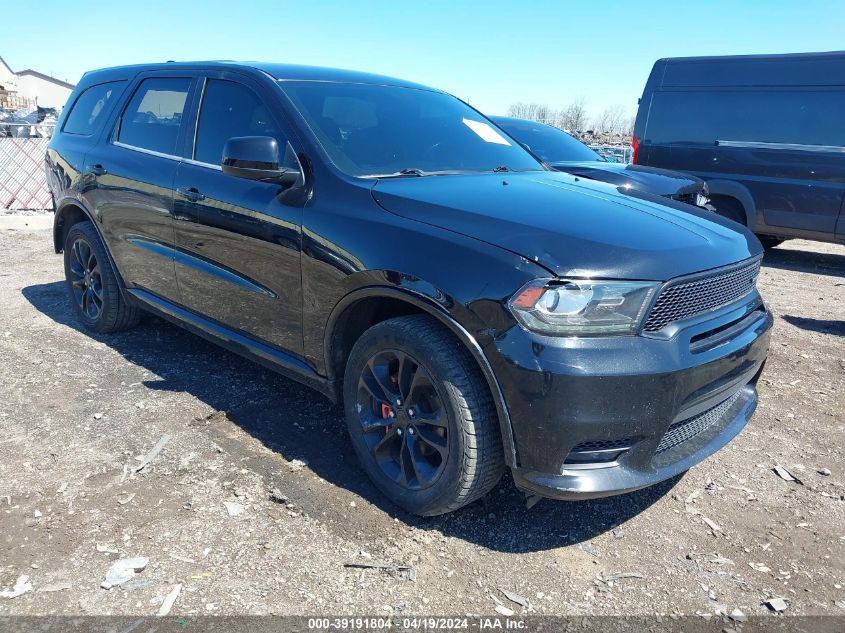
[[486, 132]]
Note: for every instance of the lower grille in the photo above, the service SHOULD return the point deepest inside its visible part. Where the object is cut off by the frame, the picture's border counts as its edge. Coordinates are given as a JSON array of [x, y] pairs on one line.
[[684, 299], [687, 429], [603, 445]]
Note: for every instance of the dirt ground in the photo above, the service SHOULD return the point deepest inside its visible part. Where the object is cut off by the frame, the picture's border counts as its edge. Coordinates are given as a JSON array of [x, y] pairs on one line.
[[78, 413]]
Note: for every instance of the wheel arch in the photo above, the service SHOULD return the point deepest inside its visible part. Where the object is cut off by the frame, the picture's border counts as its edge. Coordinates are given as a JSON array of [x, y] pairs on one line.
[[354, 314], [70, 212], [738, 191]]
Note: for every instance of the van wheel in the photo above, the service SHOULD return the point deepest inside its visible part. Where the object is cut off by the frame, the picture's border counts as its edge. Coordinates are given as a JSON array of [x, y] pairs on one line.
[[769, 242], [92, 285], [729, 208], [421, 417]]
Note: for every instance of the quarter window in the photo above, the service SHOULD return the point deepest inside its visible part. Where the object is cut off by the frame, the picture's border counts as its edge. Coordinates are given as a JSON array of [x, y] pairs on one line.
[[152, 118], [91, 107], [230, 109]]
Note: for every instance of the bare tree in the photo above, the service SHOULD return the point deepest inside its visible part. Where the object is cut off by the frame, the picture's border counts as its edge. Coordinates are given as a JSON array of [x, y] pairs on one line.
[[574, 116], [529, 111], [612, 120]]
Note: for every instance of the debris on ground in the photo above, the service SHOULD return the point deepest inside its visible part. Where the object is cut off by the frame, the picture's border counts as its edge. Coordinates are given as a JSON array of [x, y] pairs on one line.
[[532, 500], [375, 565], [276, 496], [22, 586], [123, 570], [784, 474], [167, 605], [297, 464], [154, 451], [516, 598], [776, 604], [61, 585], [620, 575], [233, 508]]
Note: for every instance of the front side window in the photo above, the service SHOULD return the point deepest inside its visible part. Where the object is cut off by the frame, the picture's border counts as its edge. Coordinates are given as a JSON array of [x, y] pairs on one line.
[[230, 109], [91, 107], [376, 130], [153, 116]]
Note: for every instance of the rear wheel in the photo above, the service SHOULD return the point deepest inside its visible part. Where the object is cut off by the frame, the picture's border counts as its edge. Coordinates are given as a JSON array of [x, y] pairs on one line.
[[421, 417], [92, 285]]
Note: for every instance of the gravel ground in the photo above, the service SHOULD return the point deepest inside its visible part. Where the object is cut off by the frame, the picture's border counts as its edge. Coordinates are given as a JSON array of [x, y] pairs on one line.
[[78, 413]]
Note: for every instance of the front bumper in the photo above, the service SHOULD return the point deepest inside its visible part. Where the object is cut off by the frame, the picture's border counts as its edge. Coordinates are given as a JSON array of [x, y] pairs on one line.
[[593, 417]]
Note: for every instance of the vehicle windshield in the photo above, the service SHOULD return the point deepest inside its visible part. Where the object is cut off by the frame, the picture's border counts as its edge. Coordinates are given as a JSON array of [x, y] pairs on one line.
[[373, 130], [551, 144]]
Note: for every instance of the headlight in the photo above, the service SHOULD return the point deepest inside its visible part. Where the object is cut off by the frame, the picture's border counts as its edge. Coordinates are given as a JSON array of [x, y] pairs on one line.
[[582, 308]]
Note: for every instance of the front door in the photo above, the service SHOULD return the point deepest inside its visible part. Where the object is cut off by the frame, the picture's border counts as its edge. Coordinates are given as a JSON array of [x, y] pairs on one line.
[[238, 240]]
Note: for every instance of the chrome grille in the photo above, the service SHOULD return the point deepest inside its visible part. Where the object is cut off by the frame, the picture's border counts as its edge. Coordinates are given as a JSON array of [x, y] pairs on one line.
[[683, 300], [687, 429]]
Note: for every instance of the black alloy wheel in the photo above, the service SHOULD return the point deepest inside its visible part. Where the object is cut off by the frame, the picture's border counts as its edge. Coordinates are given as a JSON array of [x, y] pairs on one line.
[[93, 288], [403, 420], [421, 417], [86, 279]]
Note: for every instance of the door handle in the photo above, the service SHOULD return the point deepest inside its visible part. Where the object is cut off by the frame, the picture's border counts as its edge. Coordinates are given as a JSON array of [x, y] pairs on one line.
[[190, 193], [97, 170]]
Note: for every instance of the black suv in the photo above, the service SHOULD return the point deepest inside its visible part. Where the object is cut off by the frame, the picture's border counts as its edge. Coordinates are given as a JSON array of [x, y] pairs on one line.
[[386, 244]]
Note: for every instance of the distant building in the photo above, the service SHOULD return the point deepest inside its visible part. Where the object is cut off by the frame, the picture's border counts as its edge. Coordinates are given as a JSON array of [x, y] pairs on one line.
[[29, 88]]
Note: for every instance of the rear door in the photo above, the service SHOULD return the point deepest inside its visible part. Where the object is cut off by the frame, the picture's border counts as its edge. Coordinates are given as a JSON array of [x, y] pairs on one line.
[[238, 240], [130, 181]]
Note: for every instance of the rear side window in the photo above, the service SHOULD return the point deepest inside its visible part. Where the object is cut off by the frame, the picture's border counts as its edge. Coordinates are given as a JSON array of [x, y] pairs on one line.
[[153, 116], [230, 109], [91, 108], [805, 117]]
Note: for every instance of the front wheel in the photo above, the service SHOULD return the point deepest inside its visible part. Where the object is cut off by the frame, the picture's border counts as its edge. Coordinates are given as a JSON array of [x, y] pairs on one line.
[[421, 417]]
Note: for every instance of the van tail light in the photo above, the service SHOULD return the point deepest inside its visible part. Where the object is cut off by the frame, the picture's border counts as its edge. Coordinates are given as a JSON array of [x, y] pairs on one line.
[[635, 145]]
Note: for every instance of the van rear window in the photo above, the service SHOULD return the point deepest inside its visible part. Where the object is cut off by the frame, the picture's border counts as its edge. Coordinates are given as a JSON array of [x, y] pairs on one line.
[[91, 107], [808, 117]]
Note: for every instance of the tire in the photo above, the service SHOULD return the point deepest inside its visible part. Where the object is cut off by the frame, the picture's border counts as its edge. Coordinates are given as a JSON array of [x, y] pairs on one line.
[[769, 242], [92, 286], [729, 208], [446, 431]]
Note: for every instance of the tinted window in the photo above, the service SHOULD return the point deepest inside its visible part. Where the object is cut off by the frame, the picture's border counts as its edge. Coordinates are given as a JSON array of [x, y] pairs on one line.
[[91, 107], [152, 117], [808, 117], [230, 109], [370, 129], [551, 144]]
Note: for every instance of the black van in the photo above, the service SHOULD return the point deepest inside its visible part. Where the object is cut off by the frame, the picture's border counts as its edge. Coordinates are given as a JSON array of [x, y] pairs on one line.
[[765, 131]]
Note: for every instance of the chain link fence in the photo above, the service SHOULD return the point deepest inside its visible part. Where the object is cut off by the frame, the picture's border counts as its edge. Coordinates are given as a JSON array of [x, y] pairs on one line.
[[23, 185]]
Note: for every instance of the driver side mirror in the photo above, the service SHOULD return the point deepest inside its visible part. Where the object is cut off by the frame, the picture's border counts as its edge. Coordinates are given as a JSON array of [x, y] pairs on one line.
[[256, 158]]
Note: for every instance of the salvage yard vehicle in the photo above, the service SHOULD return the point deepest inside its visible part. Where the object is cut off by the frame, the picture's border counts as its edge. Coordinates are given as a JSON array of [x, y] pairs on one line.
[[563, 152], [764, 131], [386, 244]]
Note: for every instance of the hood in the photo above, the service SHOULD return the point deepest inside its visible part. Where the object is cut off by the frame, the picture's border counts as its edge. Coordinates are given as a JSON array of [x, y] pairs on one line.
[[571, 227], [661, 182]]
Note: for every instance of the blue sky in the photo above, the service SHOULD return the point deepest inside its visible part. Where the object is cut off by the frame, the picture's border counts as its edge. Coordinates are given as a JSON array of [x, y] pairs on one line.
[[490, 53]]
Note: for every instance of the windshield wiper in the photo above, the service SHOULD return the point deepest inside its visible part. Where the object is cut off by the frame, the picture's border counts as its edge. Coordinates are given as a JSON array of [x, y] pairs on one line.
[[399, 174]]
